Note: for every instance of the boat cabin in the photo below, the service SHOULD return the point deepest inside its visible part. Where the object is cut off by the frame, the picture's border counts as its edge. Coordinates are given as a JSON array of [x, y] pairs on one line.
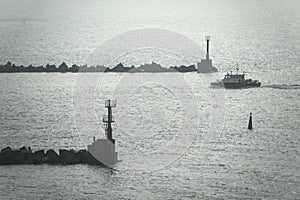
[[234, 78]]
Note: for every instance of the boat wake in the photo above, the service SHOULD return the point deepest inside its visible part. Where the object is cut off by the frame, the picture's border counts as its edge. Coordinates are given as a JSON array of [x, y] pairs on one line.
[[283, 86]]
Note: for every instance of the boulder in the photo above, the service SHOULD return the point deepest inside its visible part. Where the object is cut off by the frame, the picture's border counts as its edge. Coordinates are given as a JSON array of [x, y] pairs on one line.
[[69, 156], [87, 158], [6, 149], [23, 149], [2, 159], [29, 157], [63, 67], [51, 157], [38, 157], [12, 157], [19, 157], [6, 156]]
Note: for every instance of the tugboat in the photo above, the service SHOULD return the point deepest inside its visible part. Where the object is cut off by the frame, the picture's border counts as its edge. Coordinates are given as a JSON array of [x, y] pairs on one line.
[[236, 81]]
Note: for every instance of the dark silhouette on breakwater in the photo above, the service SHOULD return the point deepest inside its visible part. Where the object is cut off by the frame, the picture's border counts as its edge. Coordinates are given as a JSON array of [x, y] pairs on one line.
[[63, 68]]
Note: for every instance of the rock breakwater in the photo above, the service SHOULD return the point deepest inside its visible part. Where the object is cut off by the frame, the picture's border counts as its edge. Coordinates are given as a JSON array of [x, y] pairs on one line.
[[25, 155]]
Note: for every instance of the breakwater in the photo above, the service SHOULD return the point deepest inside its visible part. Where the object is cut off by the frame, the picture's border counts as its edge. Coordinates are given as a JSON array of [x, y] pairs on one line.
[[25, 155], [152, 68]]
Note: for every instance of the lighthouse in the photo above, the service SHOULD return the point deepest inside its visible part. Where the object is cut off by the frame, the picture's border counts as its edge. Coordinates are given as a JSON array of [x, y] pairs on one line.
[[104, 149], [205, 66], [109, 119]]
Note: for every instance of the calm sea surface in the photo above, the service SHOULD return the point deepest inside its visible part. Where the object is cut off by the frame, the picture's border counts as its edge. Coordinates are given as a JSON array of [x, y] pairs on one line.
[[177, 137]]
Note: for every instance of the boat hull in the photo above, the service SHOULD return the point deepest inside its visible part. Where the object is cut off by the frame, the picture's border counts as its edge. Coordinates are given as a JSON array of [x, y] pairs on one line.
[[236, 85]]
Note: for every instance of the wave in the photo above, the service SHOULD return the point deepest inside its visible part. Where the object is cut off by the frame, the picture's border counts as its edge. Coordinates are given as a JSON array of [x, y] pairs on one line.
[[283, 86]]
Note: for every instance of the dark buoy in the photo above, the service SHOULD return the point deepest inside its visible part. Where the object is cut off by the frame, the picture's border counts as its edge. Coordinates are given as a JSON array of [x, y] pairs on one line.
[[250, 122]]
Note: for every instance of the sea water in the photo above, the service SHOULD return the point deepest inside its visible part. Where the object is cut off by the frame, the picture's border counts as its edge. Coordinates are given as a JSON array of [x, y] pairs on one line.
[[177, 137]]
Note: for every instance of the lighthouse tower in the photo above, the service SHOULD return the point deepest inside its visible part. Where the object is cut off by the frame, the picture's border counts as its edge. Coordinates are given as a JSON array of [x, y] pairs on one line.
[[205, 66], [109, 119], [104, 149]]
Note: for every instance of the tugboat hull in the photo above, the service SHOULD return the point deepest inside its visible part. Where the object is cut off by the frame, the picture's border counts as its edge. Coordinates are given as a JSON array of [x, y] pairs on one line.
[[236, 85], [236, 81]]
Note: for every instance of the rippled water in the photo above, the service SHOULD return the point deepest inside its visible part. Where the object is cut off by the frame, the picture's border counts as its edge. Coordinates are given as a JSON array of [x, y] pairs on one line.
[[223, 159], [177, 137]]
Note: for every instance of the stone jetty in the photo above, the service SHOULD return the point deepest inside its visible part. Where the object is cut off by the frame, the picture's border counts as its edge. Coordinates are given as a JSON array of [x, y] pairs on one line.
[[25, 155], [119, 68], [101, 152]]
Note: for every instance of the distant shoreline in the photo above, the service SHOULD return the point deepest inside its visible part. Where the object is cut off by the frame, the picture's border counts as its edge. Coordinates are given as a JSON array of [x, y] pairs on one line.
[[120, 68]]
